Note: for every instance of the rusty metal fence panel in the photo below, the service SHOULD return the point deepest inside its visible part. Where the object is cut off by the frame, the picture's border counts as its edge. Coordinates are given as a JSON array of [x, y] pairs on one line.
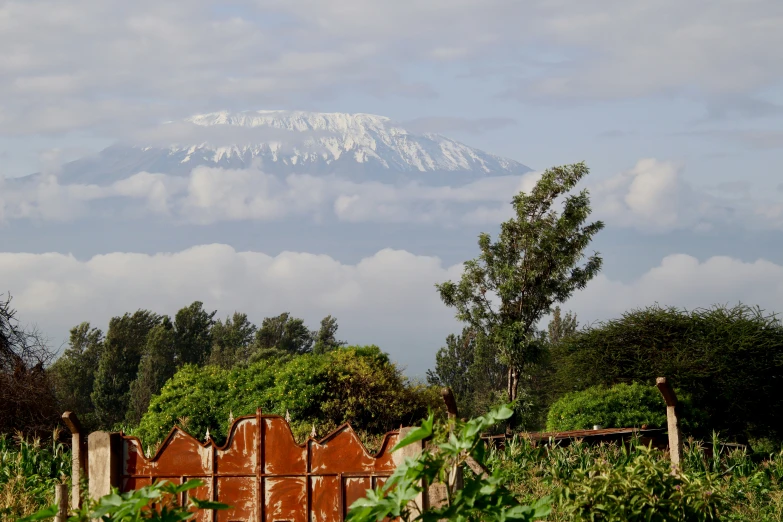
[[262, 473]]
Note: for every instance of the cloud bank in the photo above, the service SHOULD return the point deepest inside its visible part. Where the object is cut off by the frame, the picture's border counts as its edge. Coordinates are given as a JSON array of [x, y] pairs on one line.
[[652, 196], [387, 298]]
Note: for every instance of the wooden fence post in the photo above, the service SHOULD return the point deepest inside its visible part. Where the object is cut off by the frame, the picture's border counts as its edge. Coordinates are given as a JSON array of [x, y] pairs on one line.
[[412, 451], [105, 461], [61, 501], [672, 420], [79, 457]]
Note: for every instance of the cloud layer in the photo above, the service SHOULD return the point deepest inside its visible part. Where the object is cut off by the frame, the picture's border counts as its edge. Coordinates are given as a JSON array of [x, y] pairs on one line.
[[387, 298], [651, 196], [112, 63]]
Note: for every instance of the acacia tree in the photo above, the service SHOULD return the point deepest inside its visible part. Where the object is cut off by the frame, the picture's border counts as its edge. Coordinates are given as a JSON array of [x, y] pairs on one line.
[[534, 263]]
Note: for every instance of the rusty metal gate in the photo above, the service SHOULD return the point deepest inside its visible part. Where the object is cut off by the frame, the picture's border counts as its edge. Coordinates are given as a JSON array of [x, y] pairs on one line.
[[262, 473]]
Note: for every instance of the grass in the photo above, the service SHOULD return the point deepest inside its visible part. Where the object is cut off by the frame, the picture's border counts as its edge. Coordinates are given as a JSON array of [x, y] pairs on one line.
[[29, 470]]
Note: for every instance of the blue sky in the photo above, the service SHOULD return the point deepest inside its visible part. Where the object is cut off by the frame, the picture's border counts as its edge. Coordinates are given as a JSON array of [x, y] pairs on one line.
[[677, 107]]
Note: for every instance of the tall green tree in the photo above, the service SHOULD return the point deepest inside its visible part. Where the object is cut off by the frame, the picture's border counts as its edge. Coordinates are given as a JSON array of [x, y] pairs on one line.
[[561, 326], [326, 336], [73, 374], [157, 366], [193, 327], [471, 368], [534, 263], [118, 366], [284, 333], [232, 341], [453, 364]]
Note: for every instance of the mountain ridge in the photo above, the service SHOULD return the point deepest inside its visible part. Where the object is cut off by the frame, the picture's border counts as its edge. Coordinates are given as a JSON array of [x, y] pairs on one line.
[[358, 146]]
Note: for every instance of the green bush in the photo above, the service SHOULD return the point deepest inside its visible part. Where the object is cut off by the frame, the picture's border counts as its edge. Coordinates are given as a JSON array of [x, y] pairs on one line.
[[359, 385], [621, 406], [729, 360]]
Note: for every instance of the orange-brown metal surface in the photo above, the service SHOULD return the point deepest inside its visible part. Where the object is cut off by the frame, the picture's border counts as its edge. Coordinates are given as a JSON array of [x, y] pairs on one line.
[[262, 473]]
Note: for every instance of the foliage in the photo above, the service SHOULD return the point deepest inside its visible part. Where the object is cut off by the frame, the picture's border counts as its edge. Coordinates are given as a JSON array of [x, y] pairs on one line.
[[480, 498], [349, 384], [326, 336], [232, 341], [643, 490], [621, 406], [561, 327], [157, 366], [743, 487], [193, 339], [28, 472], [454, 364], [119, 364], [364, 387], [284, 333], [26, 398], [729, 360], [195, 398], [73, 373], [154, 502], [534, 263]]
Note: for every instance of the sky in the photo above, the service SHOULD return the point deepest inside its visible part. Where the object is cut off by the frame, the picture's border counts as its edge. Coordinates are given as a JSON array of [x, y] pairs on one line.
[[676, 107]]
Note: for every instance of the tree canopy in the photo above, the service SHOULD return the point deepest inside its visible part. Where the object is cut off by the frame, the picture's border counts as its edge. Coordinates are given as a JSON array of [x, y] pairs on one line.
[[349, 384], [534, 263]]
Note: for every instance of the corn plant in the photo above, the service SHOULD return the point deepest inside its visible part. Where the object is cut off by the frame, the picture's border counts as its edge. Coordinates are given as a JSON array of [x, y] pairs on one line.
[[29, 470]]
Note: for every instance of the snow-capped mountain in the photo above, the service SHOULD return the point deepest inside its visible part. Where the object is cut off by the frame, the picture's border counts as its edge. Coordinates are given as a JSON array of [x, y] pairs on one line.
[[356, 145]]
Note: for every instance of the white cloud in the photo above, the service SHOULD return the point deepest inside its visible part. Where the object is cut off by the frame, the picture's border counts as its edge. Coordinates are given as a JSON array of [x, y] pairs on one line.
[[651, 196], [210, 195], [387, 298], [654, 196], [686, 282], [122, 64]]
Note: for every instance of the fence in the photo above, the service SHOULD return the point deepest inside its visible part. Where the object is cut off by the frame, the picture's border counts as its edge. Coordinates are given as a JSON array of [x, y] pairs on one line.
[[261, 472]]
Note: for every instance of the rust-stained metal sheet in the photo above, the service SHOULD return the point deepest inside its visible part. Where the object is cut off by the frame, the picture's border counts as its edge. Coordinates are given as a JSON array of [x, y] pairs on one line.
[[262, 473]]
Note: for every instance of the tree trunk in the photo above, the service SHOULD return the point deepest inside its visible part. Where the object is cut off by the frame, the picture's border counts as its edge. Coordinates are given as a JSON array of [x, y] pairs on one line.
[[513, 383]]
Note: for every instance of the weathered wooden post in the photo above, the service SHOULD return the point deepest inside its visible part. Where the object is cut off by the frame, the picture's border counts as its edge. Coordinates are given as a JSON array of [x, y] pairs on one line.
[[412, 451], [105, 450], [61, 501], [79, 457], [672, 420]]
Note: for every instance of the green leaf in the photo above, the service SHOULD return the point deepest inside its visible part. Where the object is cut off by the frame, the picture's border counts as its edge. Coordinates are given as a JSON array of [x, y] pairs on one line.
[[420, 433]]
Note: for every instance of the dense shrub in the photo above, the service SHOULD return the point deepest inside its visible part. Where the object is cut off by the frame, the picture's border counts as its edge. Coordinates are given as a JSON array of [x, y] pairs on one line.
[[621, 406], [359, 385], [729, 360]]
